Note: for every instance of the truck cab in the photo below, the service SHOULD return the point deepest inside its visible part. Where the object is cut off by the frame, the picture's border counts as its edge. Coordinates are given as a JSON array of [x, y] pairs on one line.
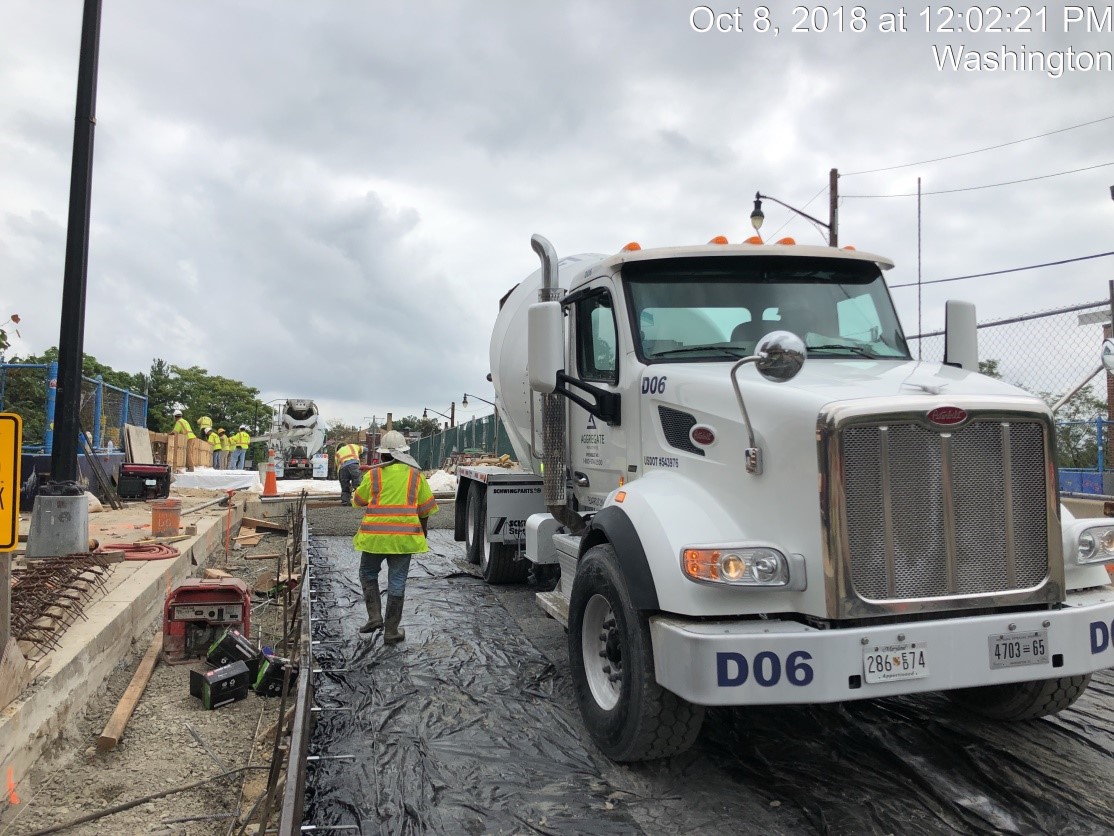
[[756, 495]]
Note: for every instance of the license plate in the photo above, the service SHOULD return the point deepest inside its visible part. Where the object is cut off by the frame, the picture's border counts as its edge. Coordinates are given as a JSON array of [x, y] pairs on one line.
[[1011, 650], [890, 662]]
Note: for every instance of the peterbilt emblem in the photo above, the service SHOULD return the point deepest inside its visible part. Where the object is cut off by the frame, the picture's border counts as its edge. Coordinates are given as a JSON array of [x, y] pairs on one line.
[[947, 416]]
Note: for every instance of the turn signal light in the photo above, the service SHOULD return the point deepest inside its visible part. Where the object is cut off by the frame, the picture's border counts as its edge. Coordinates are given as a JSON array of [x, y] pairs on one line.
[[719, 239], [788, 241], [743, 566], [754, 239], [632, 247]]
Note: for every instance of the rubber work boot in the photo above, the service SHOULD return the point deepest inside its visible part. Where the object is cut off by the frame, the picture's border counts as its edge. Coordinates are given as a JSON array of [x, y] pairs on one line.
[[392, 633], [374, 610]]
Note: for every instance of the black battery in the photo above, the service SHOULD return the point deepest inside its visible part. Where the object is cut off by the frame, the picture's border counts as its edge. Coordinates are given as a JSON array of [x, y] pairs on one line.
[[233, 646], [220, 686], [143, 481], [272, 669]]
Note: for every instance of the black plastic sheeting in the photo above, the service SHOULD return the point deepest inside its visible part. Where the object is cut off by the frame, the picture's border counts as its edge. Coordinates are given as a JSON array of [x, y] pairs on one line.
[[470, 727]]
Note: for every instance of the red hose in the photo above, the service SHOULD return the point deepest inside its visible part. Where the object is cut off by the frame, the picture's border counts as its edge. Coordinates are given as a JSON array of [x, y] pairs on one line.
[[141, 551]]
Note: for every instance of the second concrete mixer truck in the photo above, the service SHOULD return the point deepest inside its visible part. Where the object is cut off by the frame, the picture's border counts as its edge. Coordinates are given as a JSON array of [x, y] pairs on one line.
[[755, 495]]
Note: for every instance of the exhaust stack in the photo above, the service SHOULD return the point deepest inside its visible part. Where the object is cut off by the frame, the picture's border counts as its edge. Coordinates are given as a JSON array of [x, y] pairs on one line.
[[553, 414]]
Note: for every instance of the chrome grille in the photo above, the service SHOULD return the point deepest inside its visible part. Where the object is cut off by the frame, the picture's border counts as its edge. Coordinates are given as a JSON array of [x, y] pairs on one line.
[[933, 514]]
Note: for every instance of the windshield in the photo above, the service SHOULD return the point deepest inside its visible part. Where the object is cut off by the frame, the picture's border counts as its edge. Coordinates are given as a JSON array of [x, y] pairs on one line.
[[718, 308]]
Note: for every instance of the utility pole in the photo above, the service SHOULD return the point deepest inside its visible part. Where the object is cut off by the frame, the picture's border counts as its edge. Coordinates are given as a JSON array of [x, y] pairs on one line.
[[60, 520], [833, 208]]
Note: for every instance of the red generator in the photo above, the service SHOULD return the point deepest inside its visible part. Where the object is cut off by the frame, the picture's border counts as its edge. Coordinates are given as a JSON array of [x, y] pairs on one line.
[[198, 611]]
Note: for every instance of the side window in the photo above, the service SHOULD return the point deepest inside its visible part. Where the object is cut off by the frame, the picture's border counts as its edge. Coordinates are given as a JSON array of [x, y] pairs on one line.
[[597, 351]]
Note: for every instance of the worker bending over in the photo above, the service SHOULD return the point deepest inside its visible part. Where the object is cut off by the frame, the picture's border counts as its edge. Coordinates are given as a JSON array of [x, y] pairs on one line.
[[398, 503], [349, 457]]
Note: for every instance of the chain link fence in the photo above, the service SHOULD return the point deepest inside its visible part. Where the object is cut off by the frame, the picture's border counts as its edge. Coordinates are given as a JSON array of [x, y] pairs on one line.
[[476, 437], [27, 389], [1047, 353]]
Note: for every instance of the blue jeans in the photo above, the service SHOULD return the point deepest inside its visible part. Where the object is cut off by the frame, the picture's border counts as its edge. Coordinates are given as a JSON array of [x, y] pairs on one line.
[[239, 454], [398, 566], [216, 459]]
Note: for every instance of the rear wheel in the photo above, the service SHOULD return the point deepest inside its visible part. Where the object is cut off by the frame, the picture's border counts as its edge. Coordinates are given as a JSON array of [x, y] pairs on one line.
[[1022, 700], [474, 523], [629, 715], [497, 560]]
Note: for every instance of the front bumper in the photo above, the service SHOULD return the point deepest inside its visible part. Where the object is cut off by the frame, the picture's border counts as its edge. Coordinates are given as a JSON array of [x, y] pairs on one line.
[[779, 662]]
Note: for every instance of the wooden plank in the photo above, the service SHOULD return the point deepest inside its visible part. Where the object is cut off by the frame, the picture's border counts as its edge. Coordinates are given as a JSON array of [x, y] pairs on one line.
[[217, 573], [114, 728], [266, 525], [137, 446], [273, 556]]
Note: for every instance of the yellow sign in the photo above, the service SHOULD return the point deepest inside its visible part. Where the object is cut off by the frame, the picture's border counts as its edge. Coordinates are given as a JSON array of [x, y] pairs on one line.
[[11, 445]]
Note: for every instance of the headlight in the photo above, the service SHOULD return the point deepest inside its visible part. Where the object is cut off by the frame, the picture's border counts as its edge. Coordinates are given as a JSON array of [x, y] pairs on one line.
[[1096, 545], [737, 566]]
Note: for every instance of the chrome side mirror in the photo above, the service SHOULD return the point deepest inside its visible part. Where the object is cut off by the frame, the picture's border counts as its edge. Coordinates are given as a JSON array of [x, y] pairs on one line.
[[781, 354], [1108, 355]]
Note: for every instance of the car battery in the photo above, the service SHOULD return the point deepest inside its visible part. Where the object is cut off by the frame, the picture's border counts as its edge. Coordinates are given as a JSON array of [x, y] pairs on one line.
[[143, 481], [233, 646], [198, 611], [268, 683], [220, 686]]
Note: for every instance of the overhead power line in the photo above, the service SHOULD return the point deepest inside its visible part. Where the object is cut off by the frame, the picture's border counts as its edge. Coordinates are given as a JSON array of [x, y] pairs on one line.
[[977, 188], [978, 150], [1011, 270]]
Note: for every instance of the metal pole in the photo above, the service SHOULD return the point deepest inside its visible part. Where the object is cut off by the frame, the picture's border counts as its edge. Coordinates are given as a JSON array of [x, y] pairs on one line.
[[63, 466], [51, 403], [98, 411], [833, 207]]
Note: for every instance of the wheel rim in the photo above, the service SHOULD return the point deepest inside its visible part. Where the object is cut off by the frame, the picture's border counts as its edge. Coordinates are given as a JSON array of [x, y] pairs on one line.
[[601, 648], [469, 534], [485, 550]]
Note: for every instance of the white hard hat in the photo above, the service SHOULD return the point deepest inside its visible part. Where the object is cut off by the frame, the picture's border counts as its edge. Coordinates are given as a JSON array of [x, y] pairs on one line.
[[177, 412], [243, 426], [393, 441], [394, 444]]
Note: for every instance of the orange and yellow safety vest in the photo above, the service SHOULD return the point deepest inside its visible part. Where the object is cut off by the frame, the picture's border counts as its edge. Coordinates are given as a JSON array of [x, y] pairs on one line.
[[348, 453], [241, 439], [396, 498]]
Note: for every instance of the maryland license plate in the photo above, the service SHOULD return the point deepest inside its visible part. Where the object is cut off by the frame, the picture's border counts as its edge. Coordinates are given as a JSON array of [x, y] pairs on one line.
[[890, 662], [1011, 650]]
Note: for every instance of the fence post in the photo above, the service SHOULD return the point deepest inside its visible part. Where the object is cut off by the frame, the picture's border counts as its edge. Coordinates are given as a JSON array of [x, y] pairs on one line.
[[124, 415], [1099, 423], [98, 410], [51, 398]]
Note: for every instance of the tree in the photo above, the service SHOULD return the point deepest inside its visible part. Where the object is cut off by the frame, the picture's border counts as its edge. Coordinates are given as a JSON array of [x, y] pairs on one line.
[[1077, 429], [414, 424]]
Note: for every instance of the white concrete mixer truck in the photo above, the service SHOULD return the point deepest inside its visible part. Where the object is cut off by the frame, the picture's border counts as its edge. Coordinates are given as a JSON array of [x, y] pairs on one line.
[[756, 495]]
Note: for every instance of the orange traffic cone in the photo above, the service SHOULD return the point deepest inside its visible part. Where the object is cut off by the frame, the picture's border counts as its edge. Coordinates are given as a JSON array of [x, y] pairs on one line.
[[270, 484]]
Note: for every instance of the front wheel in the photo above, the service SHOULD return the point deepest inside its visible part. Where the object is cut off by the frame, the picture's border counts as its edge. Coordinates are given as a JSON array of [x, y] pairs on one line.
[[1022, 700], [629, 715]]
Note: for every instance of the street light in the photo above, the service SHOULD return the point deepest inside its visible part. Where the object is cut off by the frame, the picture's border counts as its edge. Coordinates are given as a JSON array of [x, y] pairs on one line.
[[757, 217], [464, 403], [451, 417]]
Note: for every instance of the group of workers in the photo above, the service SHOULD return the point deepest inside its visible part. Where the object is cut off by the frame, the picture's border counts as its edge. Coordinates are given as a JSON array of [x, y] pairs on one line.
[[397, 503], [230, 450]]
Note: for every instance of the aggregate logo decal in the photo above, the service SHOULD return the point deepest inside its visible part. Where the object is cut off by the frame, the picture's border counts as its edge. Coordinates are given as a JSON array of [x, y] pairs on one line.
[[1102, 635], [947, 416]]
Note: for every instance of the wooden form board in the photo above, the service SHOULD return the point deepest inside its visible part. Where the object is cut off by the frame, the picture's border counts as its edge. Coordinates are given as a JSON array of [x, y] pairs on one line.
[[114, 728], [137, 446], [180, 452]]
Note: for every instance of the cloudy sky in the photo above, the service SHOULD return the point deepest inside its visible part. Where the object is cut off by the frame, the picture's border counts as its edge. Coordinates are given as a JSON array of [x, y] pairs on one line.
[[328, 199]]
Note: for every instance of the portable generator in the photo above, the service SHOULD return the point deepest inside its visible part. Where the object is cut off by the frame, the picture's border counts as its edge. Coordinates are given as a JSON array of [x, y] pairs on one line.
[[144, 481], [198, 611]]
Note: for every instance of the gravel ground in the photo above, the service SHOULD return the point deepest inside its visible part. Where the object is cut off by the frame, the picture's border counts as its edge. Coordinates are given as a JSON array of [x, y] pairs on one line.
[[158, 750]]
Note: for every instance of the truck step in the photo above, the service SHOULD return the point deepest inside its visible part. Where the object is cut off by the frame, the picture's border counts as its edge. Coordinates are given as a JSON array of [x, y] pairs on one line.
[[555, 604]]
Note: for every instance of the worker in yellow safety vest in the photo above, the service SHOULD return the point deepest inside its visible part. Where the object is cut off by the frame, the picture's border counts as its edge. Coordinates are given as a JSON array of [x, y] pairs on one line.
[[349, 457], [181, 425], [226, 448], [397, 503], [214, 439], [240, 442]]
